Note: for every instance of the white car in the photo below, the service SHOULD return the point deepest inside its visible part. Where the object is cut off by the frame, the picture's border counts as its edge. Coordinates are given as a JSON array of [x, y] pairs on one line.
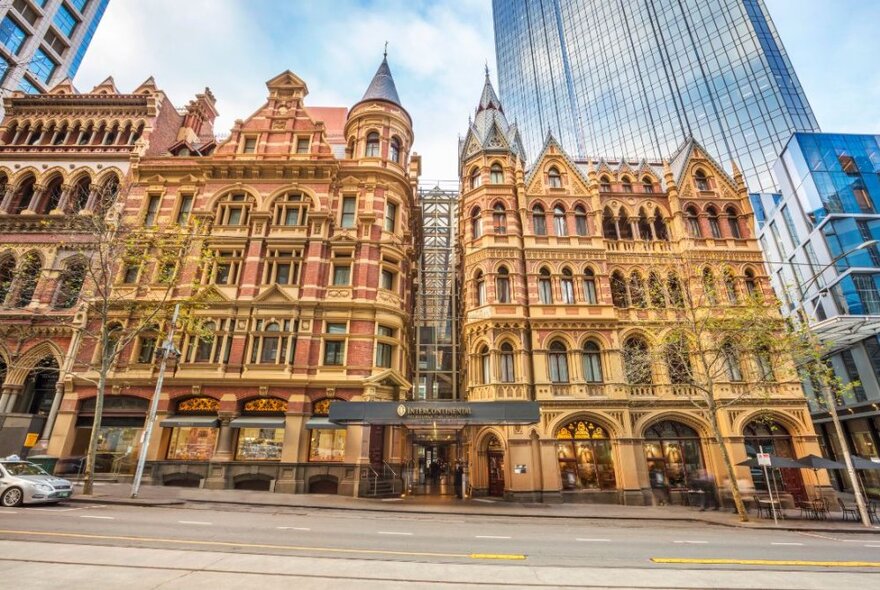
[[22, 482]]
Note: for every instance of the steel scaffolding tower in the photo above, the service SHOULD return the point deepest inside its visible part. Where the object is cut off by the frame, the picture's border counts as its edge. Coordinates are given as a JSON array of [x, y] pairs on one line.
[[436, 302]]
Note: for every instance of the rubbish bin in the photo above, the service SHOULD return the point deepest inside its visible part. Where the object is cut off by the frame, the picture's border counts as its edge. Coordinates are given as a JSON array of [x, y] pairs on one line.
[[47, 462]]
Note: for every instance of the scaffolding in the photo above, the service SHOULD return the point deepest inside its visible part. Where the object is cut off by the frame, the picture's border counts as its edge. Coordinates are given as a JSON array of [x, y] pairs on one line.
[[436, 376]]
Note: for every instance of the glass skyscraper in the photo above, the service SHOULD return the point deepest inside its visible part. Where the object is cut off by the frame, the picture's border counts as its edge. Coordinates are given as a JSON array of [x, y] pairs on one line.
[[820, 235], [634, 78]]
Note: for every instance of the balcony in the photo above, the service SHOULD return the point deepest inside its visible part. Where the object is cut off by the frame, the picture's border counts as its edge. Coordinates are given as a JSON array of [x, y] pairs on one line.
[[637, 246]]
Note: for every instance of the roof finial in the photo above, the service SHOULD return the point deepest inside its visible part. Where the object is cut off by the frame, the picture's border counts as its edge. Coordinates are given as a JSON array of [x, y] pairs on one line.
[[487, 69], [385, 55]]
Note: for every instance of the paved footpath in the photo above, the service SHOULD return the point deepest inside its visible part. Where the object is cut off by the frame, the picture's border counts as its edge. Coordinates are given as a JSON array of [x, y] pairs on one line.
[[114, 493]]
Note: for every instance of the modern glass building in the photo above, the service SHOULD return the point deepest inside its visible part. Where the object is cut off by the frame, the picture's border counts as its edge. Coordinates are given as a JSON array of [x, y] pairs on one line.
[[42, 42], [820, 234], [636, 77]]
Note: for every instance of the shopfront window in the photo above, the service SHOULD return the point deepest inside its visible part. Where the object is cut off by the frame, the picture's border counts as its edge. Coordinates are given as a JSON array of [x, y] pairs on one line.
[[192, 444], [259, 444], [771, 437], [672, 451], [118, 438], [585, 459], [326, 444]]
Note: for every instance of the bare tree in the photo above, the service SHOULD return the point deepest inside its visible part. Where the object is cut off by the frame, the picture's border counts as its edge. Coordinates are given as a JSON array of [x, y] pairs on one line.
[[123, 282], [727, 343]]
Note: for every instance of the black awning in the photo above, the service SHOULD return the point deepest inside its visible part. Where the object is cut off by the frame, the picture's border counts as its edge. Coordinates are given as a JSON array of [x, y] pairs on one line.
[[441, 414], [190, 421], [258, 422]]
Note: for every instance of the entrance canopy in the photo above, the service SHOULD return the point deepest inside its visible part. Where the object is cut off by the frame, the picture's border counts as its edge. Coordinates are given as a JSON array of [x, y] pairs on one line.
[[445, 414]]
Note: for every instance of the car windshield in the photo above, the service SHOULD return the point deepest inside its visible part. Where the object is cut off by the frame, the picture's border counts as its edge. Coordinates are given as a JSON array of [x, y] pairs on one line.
[[23, 469]]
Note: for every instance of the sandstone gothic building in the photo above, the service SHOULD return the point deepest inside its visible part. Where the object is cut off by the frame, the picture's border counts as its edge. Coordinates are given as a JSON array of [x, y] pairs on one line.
[[564, 268]]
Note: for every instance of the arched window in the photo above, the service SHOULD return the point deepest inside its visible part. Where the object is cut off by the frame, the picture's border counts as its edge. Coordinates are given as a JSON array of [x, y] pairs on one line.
[[637, 362], [605, 184], [394, 150], [476, 223], [730, 287], [672, 450], [545, 287], [673, 288], [372, 148], [496, 174], [585, 457], [559, 225], [637, 290], [499, 219], [660, 227], [554, 177], [693, 223], [590, 286], [751, 283], [22, 196], [476, 179], [592, 359], [678, 362], [485, 366], [733, 223], [508, 373], [609, 225], [558, 359], [28, 276], [656, 296], [234, 209], [51, 197], [480, 282], [709, 290], [731, 361], [70, 285], [79, 194], [567, 286], [7, 275], [647, 185], [502, 285], [714, 224], [539, 221], [644, 226], [764, 362], [580, 221], [624, 225], [701, 181], [619, 297], [626, 185]]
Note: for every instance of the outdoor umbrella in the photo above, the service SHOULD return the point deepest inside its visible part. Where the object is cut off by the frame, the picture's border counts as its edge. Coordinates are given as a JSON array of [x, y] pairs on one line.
[[862, 463], [777, 462], [816, 463]]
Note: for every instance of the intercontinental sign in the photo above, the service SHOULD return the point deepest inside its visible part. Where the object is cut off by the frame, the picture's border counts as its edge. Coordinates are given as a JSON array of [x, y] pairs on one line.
[[434, 411], [419, 413]]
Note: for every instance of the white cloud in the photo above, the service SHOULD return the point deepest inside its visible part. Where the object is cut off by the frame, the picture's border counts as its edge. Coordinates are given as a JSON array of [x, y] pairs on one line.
[[436, 52]]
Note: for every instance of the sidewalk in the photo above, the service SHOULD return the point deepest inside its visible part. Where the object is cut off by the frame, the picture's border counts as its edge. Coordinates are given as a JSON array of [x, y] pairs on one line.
[[113, 493]]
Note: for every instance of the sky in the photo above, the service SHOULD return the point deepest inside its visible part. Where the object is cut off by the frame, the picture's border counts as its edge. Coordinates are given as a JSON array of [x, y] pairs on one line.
[[437, 51]]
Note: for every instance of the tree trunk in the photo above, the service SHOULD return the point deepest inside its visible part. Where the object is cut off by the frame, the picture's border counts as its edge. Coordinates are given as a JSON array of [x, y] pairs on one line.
[[88, 476], [731, 475]]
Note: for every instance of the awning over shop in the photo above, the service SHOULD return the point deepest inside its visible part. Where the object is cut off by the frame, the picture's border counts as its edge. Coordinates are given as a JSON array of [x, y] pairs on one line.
[[321, 422], [447, 414], [190, 421], [258, 422], [840, 332]]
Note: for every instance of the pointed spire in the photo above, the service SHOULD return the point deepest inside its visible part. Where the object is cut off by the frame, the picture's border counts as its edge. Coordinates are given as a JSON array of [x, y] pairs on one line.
[[488, 98], [382, 86]]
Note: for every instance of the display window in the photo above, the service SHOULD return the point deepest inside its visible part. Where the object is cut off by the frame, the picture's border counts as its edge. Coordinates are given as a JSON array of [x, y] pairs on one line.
[[585, 457], [192, 444], [327, 445], [259, 444], [672, 451]]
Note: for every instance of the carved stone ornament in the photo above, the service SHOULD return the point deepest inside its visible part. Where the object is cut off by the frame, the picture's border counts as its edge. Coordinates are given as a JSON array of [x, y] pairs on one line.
[[198, 404], [266, 404]]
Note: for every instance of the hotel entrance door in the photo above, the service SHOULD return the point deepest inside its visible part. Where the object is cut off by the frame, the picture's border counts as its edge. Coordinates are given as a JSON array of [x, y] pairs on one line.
[[434, 466]]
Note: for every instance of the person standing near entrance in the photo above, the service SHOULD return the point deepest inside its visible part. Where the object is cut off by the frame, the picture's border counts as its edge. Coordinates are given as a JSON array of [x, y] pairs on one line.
[[459, 475]]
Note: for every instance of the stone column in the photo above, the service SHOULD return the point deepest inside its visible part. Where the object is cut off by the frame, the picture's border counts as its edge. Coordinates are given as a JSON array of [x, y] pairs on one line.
[[224, 440], [35, 200], [53, 413], [62, 207], [6, 203], [9, 397], [90, 203]]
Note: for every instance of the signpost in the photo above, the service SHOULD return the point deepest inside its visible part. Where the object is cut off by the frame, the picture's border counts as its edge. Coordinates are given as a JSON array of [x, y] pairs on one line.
[[764, 461]]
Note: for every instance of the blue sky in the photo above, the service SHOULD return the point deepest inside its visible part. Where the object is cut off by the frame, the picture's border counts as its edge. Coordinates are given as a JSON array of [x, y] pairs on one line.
[[437, 51]]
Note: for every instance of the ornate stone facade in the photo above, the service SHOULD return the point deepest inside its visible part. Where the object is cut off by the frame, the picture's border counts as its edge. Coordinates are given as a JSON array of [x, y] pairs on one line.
[[560, 271]]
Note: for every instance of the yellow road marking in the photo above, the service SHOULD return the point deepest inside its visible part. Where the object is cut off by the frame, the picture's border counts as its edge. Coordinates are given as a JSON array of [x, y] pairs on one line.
[[792, 562], [264, 545]]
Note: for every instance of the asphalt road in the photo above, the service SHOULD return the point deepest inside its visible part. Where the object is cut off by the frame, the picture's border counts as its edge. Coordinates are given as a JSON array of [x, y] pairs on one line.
[[203, 546]]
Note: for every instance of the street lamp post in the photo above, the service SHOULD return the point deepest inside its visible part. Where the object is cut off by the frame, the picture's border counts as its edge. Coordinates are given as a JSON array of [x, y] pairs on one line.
[[167, 350], [831, 403]]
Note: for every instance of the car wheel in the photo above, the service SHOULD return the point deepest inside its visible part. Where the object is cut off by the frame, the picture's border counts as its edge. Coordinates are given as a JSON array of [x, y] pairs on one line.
[[12, 497]]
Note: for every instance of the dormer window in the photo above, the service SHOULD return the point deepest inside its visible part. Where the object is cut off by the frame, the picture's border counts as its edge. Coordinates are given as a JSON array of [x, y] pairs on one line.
[[605, 184], [647, 185], [627, 186], [372, 150], [701, 181], [302, 145], [554, 177], [250, 145]]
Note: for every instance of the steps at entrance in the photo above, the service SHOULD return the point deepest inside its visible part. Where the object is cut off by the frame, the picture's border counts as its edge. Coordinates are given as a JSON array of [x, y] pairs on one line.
[[381, 488]]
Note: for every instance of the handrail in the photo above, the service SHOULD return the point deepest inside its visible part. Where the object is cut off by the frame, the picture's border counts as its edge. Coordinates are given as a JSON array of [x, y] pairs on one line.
[[391, 469]]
